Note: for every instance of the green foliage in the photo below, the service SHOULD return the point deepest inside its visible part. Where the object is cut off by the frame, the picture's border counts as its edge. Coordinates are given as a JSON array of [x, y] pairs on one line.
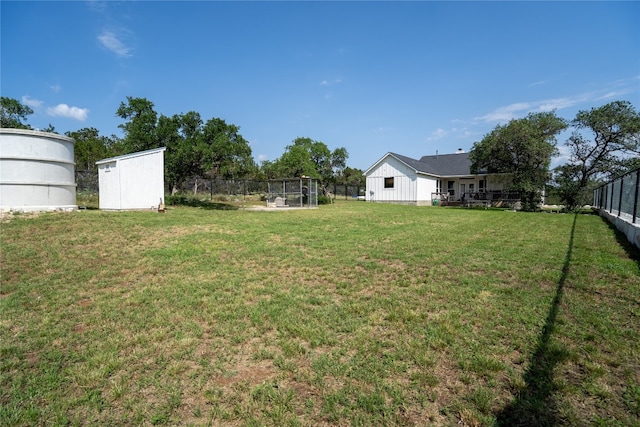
[[306, 157], [523, 149], [13, 113], [605, 144], [567, 187], [194, 148], [226, 152], [91, 147], [352, 176], [323, 200], [50, 129], [140, 128], [184, 155]]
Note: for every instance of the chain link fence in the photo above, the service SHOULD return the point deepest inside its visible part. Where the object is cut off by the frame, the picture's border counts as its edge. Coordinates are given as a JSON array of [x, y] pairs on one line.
[[87, 181], [347, 191], [202, 187]]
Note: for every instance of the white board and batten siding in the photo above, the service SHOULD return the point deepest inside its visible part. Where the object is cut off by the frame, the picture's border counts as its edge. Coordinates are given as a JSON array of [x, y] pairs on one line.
[[404, 188], [427, 185], [132, 181]]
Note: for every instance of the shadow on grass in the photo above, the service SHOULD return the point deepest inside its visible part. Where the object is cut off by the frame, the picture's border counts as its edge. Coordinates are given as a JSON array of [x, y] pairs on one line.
[[621, 238], [535, 404], [197, 203]]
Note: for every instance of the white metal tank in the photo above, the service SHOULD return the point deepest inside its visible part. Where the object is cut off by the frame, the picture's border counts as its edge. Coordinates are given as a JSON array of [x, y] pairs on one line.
[[37, 171]]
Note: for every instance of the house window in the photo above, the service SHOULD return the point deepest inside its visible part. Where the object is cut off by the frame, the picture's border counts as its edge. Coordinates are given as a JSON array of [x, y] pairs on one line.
[[388, 182], [451, 185], [481, 185]]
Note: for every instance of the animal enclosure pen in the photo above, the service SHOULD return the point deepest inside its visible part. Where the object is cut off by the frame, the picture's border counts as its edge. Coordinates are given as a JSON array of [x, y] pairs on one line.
[[293, 192]]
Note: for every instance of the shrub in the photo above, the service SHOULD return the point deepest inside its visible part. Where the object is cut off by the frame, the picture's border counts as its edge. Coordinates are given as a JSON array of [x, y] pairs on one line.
[[323, 200]]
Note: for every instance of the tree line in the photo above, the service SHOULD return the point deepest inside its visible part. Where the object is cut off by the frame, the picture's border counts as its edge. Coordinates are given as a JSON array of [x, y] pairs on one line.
[[604, 143], [195, 148]]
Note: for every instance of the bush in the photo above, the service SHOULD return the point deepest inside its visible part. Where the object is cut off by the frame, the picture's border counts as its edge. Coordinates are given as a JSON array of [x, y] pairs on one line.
[[323, 200]]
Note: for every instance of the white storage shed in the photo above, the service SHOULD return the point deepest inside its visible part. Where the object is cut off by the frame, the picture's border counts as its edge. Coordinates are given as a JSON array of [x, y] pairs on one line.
[[132, 181]]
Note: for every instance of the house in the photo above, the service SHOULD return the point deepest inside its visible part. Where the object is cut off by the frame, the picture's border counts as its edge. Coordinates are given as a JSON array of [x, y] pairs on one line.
[[431, 180], [132, 181]]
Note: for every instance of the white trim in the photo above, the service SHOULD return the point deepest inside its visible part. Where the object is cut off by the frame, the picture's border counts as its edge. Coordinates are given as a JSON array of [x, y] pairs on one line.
[[49, 135], [131, 155]]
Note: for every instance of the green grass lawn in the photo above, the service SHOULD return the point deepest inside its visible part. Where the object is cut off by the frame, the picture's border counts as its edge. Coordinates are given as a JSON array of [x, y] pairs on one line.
[[350, 314]]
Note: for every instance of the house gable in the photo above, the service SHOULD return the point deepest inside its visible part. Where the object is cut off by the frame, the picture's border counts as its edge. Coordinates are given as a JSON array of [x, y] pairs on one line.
[[391, 179]]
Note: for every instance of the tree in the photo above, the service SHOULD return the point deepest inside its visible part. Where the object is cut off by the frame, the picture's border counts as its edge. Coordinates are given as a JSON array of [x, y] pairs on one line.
[[353, 176], [13, 113], [523, 149], [339, 158], [91, 147], [225, 152], [180, 134], [50, 128], [140, 130], [611, 146], [194, 148], [309, 158], [303, 157]]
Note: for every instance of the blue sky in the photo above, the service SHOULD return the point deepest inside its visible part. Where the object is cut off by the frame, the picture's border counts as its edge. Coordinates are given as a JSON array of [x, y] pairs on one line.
[[408, 77]]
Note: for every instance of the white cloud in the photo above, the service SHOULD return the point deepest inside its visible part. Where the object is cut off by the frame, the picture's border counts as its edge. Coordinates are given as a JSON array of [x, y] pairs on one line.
[[63, 110], [520, 109], [112, 42], [504, 114], [437, 134], [382, 129], [330, 82], [28, 101], [56, 88], [560, 103], [613, 94]]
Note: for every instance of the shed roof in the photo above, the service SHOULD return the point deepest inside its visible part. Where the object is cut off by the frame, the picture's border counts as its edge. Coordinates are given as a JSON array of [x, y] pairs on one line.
[[131, 155]]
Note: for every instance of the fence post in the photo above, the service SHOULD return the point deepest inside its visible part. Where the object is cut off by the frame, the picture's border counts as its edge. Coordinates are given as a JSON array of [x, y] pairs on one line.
[[620, 197], [610, 185], [635, 199]]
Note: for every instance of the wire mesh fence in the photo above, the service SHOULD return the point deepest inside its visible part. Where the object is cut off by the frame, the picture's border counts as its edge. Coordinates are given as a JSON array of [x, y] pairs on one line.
[[294, 192], [87, 181], [620, 197], [199, 187], [347, 191]]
